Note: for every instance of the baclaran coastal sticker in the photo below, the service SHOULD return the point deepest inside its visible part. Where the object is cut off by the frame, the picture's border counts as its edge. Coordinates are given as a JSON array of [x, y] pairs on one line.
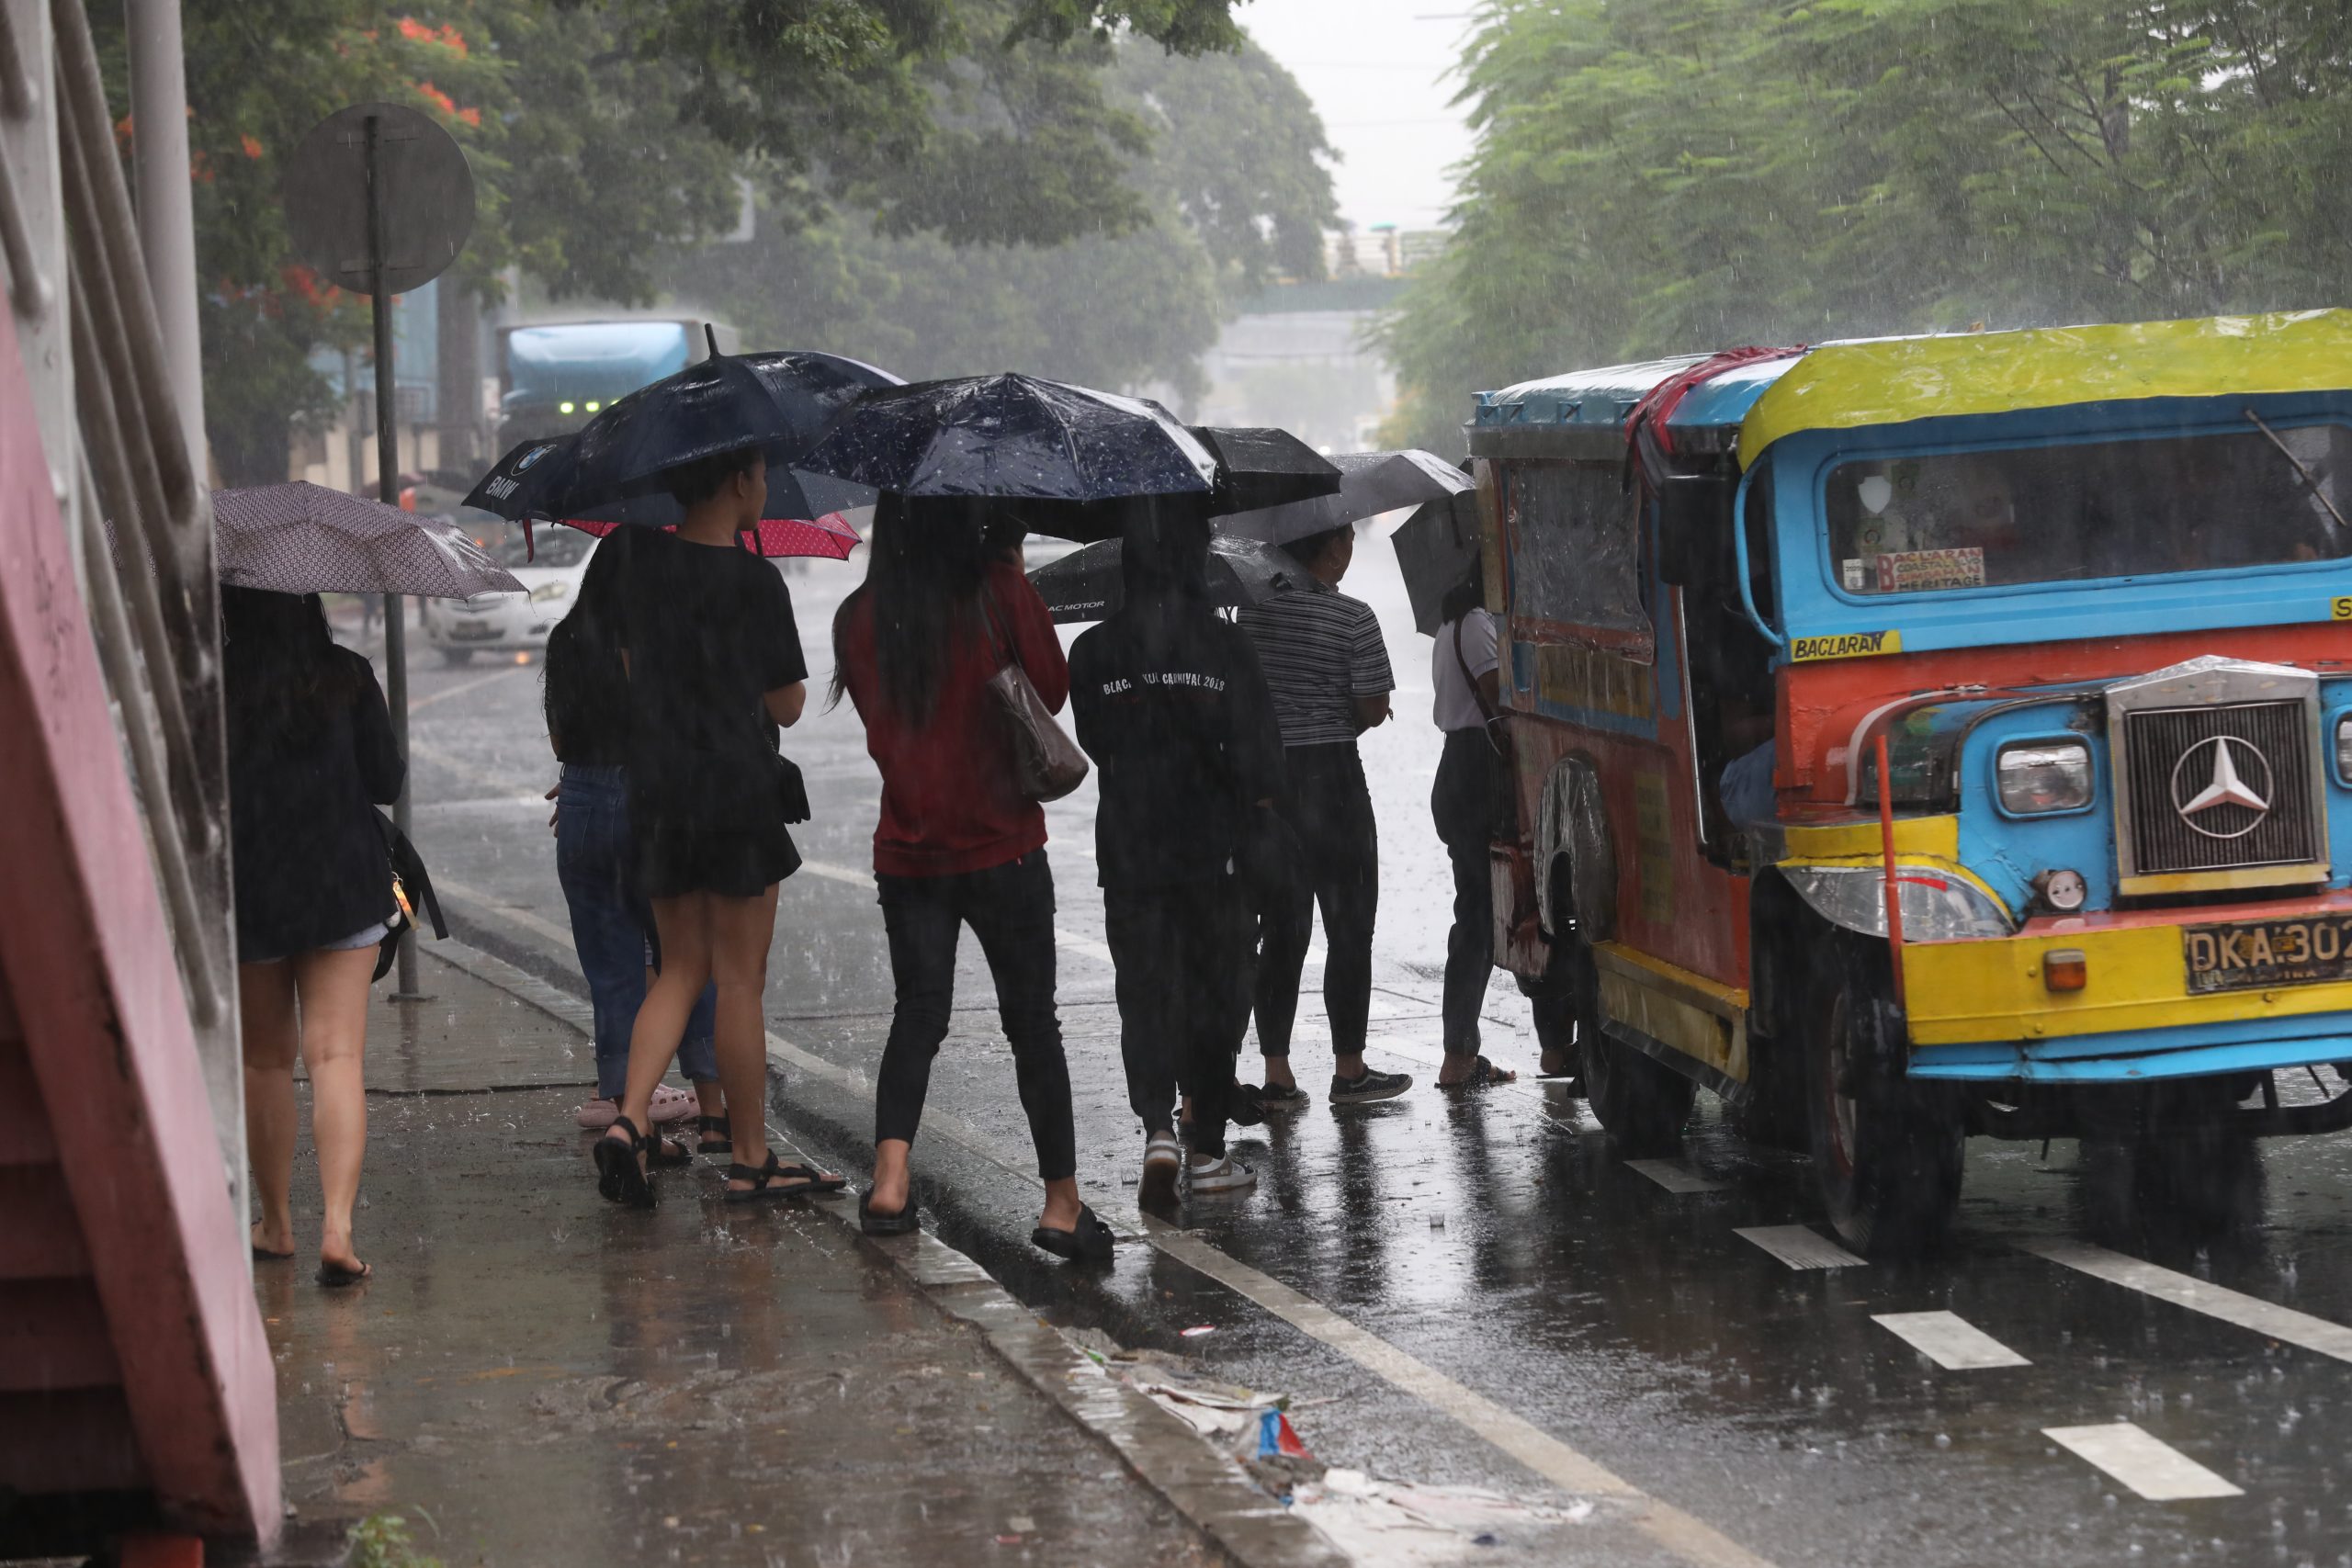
[[1844, 644]]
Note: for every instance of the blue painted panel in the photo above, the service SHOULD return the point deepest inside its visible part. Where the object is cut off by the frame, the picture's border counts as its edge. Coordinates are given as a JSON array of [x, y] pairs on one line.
[[2139, 1056], [1812, 605], [2009, 851]]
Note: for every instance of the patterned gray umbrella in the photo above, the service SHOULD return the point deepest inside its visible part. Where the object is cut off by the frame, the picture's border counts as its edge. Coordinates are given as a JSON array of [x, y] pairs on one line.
[[305, 538]]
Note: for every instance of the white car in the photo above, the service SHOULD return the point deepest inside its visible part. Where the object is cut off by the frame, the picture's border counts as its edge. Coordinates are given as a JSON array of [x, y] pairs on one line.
[[513, 623]]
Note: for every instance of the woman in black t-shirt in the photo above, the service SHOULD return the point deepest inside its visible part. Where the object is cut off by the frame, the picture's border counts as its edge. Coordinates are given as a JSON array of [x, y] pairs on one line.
[[714, 666]]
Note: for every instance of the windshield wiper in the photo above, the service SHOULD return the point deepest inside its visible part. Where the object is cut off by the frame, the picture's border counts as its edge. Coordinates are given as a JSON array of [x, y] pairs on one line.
[[2310, 481]]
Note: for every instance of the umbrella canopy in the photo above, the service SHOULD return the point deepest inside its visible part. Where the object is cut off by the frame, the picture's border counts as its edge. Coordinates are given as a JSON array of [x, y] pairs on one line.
[[1436, 548], [1089, 583], [1018, 439], [1258, 467], [305, 538], [830, 537], [1370, 484]]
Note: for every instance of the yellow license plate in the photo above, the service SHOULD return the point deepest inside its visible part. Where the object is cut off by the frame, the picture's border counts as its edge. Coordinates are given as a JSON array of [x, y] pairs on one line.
[[2248, 955]]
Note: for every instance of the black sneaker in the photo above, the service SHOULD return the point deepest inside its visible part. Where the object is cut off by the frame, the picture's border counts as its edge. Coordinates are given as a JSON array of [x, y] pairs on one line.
[[1246, 1106], [1280, 1098], [1371, 1087]]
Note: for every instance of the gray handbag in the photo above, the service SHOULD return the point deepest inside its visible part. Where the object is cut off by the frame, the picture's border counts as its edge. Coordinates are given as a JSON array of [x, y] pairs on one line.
[[1046, 763]]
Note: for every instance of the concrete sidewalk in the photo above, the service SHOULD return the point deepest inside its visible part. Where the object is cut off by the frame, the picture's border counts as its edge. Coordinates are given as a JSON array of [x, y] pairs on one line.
[[535, 1376]]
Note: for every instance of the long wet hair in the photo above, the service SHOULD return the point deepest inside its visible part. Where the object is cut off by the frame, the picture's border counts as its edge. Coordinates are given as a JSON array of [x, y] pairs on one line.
[[282, 676], [925, 574], [1465, 596], [1164, 552], [581, 678]]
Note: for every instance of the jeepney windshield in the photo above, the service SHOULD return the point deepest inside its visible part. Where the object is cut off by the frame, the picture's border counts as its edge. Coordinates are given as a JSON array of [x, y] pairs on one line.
[[2266, 496]]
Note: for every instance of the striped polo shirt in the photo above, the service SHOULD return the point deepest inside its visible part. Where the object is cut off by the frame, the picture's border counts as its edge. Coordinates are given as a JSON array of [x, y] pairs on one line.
[[1321, 649]]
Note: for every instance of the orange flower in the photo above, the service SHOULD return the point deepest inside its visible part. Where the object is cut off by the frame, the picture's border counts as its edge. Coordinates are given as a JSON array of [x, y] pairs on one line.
[[471, 116], [437, 98], [253, 146]]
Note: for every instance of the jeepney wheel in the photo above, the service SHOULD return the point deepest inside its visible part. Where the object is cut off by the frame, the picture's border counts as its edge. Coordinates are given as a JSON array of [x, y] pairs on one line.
[[457, 656], [1640, 1103], [1888, 1151]]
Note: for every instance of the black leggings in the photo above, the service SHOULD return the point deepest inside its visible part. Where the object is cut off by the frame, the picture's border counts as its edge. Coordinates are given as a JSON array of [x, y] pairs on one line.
[[1011, 909], [1463, 803], [1330, 810], [1182, 955]]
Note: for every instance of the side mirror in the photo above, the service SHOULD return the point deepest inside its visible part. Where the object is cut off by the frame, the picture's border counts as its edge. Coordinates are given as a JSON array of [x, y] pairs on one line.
[[1694, 525]]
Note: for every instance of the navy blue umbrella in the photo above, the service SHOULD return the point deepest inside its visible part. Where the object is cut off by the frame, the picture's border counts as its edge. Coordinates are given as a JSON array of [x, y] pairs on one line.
[[1050, 453]]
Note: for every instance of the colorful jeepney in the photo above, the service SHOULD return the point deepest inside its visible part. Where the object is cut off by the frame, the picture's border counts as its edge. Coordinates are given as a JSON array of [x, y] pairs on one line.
[[2051, 628]]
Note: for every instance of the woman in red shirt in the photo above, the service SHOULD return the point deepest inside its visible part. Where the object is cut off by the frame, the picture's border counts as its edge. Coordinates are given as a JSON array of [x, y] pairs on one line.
[[958, 842]]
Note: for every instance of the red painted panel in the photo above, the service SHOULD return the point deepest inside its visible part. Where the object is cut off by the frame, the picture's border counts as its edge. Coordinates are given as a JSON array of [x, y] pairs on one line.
[[80, 1441], [42, 1237], [54, 1335], [1821, 704], [88, 964], [25, 1137]]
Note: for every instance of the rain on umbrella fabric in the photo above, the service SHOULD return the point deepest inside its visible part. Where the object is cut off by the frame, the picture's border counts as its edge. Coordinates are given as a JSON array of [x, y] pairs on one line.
[[830, 537], [305, 538], [1088, 584], [1370, 484], [1435, 549], [1044, 446], [1260, 466]]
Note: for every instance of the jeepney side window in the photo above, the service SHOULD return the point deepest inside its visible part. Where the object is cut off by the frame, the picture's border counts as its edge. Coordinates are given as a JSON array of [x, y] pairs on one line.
[[1575, 539]]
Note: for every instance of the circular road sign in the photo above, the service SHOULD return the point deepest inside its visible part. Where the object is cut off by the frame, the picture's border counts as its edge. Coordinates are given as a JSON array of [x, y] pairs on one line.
[[424, 197]]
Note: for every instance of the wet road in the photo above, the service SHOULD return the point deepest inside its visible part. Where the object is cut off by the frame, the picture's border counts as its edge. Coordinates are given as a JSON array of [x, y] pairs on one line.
[[1483, 1293]]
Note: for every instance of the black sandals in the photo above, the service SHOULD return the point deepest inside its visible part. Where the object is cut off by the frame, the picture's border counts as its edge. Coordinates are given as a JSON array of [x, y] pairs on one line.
[[776, 1179], [904, 1223], [1483, 1074], [619, 1178], [714, 1135], [1089, 1241]]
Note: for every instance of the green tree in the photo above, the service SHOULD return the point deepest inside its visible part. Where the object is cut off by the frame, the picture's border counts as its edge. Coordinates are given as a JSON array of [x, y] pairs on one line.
[[604, 133], [1689, 174]]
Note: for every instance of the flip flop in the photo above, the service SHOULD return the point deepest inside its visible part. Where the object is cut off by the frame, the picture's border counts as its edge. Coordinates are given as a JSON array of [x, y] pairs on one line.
[[334, 1276], [1089, 1241], [904, 1223], [263, 1254], [1483, 1074]]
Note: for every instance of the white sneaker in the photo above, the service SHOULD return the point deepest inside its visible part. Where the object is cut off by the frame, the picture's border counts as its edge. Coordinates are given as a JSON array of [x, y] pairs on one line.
[[1164, 1157], [1225, 1174]]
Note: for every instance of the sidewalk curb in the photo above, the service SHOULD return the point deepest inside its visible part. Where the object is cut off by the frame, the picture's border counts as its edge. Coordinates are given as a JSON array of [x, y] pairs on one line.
[[1209, 1490]]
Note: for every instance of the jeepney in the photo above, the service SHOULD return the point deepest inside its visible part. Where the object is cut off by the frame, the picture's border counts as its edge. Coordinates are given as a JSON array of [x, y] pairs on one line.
[[2049, 632]]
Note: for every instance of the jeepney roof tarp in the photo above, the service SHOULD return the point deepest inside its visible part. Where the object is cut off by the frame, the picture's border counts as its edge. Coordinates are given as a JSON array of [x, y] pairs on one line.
[[1842, 385]]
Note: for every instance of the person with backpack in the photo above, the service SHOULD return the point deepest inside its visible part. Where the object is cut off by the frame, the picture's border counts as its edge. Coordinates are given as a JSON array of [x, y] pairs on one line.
[[1172, 706], [959, 843]]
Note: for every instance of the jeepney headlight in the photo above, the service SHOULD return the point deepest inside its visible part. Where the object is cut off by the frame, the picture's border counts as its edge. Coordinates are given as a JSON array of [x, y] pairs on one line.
[[2040, 776], [2344, 748], [547, 592]]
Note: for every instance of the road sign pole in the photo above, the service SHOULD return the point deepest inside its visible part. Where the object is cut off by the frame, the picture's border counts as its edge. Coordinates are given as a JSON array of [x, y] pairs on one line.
[[387, 490]]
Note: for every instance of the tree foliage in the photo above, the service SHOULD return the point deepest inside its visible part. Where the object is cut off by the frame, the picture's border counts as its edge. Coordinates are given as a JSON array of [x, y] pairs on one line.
[[1228, 180], [1671, 175], [605, 133]]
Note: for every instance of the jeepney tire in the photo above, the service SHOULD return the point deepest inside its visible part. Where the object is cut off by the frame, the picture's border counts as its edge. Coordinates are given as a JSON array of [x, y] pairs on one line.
[[454, 656], [1640, 1103], [1887, 1151]]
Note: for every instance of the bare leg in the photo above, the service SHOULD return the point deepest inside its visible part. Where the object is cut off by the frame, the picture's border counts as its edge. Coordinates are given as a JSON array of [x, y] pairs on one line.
[[741, 930], [1061, 1205], [265, 1005], [889, 1195], [334, 990], [683, 925]]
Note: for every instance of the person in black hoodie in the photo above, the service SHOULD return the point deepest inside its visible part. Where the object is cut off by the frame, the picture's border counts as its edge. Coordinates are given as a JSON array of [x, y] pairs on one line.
[[310, 756], [1170, 703]]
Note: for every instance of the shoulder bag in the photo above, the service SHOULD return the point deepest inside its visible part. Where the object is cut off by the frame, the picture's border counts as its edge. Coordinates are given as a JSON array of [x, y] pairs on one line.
[[1046, 763]]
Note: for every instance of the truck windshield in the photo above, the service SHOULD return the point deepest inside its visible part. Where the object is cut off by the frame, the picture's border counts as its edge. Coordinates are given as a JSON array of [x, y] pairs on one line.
[[2207, 502]]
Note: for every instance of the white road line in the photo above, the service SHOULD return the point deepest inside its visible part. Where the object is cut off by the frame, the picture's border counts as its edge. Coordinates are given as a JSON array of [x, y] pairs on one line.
[[460, 689], [838, 873], [2282, 1324], [1674, 1175], [1799, 1246], [1949, 1340], [2154, 1469], [1688, 1537]]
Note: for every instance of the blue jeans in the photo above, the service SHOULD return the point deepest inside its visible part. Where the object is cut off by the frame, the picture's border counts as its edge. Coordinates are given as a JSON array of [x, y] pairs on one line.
[[610, 925]]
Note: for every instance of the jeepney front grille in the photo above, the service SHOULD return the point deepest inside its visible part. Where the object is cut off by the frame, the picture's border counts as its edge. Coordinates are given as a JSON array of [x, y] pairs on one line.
[[2168, 760]]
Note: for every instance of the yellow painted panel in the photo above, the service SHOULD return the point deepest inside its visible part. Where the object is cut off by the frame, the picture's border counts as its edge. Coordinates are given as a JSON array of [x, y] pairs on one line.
[[1930, 838], [1959, 993], [1842, 385], [2222, 881], [1720, 1043]]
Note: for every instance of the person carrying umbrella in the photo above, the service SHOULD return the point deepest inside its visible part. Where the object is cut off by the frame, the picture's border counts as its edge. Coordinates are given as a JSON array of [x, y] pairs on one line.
[[1327, 669], [1173, 708]]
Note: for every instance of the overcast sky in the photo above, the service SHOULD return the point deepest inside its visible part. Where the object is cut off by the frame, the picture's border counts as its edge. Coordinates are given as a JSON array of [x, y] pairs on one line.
[[1378, 72]]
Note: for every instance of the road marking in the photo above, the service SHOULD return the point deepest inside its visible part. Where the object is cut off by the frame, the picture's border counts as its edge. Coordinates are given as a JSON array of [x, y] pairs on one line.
[[460, 689], [2282, 1324], [1674, 1175], [838, 873], [1949, 1340], [1687, 1536], [2154, 1469], [1799, 1246]]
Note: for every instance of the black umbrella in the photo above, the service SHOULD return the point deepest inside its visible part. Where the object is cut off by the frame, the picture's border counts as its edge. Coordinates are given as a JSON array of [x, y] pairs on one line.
[[1370, 484], [1258, 467], [1052, 453], [1436, 548], [1088, 584]]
